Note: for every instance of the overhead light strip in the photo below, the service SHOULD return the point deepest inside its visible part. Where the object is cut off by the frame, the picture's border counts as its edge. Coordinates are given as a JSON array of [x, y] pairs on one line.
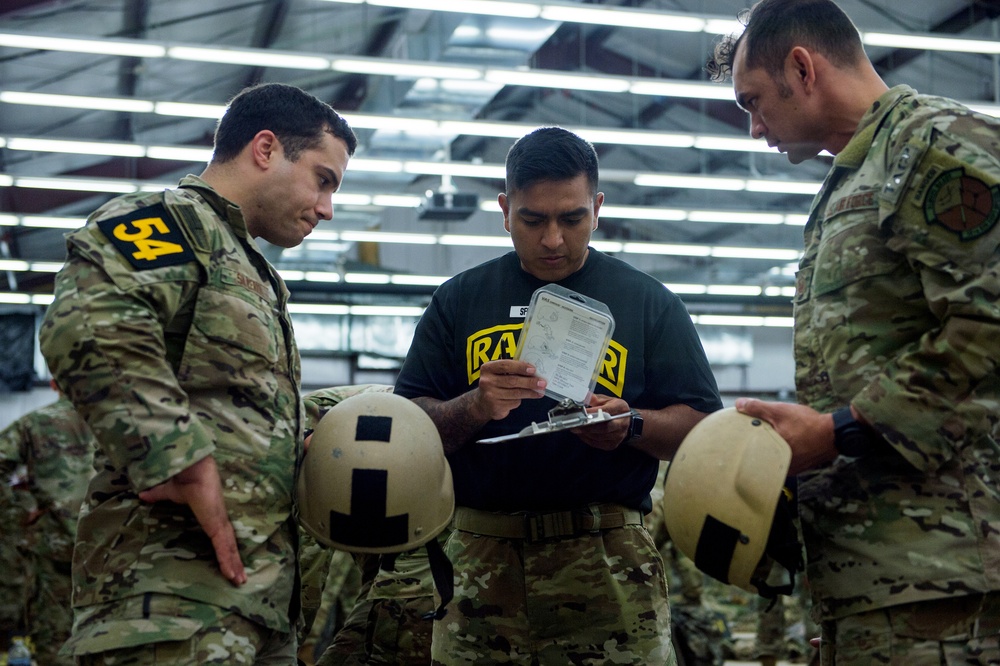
[[295, 307], [404, 68], [471, 240], [629, 17], [410, 167]]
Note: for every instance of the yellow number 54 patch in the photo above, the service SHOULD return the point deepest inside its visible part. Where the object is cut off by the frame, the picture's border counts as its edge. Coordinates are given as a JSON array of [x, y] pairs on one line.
[[148, 238]]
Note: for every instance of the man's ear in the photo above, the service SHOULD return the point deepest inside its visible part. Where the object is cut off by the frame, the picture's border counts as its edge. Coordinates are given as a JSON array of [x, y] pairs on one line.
[[801, 67], [505, 207], [265, 147]]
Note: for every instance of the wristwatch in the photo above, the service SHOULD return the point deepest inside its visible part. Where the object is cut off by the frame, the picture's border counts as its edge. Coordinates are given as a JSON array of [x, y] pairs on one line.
[[849, 435], [634, 428]]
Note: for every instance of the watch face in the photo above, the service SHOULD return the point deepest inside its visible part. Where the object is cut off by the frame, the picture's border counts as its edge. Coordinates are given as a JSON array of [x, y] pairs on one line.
[[635, 427]]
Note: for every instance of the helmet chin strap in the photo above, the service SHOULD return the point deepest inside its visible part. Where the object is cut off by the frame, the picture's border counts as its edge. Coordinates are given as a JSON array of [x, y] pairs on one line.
[[782, 547], [442, 572]]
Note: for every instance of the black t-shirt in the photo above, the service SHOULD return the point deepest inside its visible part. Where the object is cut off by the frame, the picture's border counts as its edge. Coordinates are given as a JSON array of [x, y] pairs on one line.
[[655, 359]]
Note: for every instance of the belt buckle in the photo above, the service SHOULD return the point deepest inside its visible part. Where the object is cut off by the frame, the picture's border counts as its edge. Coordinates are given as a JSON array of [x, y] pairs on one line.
[[550, 526]]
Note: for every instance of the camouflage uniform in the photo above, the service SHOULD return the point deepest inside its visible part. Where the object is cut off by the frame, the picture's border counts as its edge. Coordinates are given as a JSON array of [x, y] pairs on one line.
[[47, 455], [171, 335], [897, 314]]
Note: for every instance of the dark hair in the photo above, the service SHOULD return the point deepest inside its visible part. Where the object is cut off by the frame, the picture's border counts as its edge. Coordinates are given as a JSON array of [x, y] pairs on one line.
[[774, 27], [297, 118], [550, 153]]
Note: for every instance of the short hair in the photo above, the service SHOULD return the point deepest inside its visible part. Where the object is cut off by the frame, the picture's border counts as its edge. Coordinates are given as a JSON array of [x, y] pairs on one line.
[[550, 154], [297, 118], [774, 27]]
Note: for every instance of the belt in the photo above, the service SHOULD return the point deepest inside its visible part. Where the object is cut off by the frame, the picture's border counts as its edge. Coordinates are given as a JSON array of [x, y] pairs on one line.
[[535, 526]]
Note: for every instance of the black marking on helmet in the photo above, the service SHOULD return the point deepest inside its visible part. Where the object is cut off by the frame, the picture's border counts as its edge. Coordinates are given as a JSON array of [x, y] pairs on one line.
[[373, 429], [716, 546], [368, 525]]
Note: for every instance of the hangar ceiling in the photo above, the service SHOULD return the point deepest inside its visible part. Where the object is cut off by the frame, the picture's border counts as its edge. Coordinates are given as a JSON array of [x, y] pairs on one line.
[[437, 92]]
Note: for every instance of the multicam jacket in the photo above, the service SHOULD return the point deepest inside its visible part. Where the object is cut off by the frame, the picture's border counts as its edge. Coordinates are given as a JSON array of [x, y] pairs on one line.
[[898, 313], [170, 333]]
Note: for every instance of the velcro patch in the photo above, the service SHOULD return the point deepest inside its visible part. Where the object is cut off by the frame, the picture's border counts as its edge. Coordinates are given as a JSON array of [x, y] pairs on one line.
[[962, 204], [148, 237]]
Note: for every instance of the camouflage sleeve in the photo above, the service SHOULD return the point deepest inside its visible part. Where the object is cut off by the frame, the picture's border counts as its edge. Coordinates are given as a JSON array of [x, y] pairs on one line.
[[13, 472], [945, 225], [104, 338]]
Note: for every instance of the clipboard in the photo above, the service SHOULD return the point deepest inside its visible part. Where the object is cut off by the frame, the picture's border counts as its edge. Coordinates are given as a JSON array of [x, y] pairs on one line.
[[564, 416]]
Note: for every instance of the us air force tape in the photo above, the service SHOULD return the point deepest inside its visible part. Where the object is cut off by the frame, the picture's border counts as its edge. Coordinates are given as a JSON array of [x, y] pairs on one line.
[[148, 237]]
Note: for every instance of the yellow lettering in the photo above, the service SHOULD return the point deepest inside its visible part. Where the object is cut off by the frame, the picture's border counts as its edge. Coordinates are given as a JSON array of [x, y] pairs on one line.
[[151, 249], [612, 375], [489, 344]]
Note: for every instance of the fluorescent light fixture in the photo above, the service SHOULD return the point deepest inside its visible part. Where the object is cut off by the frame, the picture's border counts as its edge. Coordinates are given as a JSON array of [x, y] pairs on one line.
[[743, 321], [345, 199], [387, 237], [796, 220], [643, 213], [549, 79], [250, 57], [77, 101], [5, 180], [127, 48], [487, 7], [686, 288], [396, 201], [45, 266], [715, 26], [321, 276], [42, 299], [610, 247], [179, 153], [734, 143], [733, 217], [366, 278], [77, 184], [418, 280], [931, 43], [318, 308], [386, 310], [475, 241], [376, 166], [364, 121], [402, 69], [693, 182], [787, 292], [466, 169], [681, 89], [189, 110], [485, 128], [76, 147], [776, 254], [13, 265], [668, 249], [622, 17], [783, 186], [8, 220], [733, 290], [12, 298], [987, 109], [636, 137], [45, 222]]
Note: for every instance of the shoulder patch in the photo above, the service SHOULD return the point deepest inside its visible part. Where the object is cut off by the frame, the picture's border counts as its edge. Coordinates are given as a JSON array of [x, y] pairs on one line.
[[962, 204], [148, 237]]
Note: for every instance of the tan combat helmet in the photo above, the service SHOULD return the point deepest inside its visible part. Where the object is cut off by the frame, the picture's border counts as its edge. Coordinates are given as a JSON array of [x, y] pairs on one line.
[[726, 505], [375, 480]]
